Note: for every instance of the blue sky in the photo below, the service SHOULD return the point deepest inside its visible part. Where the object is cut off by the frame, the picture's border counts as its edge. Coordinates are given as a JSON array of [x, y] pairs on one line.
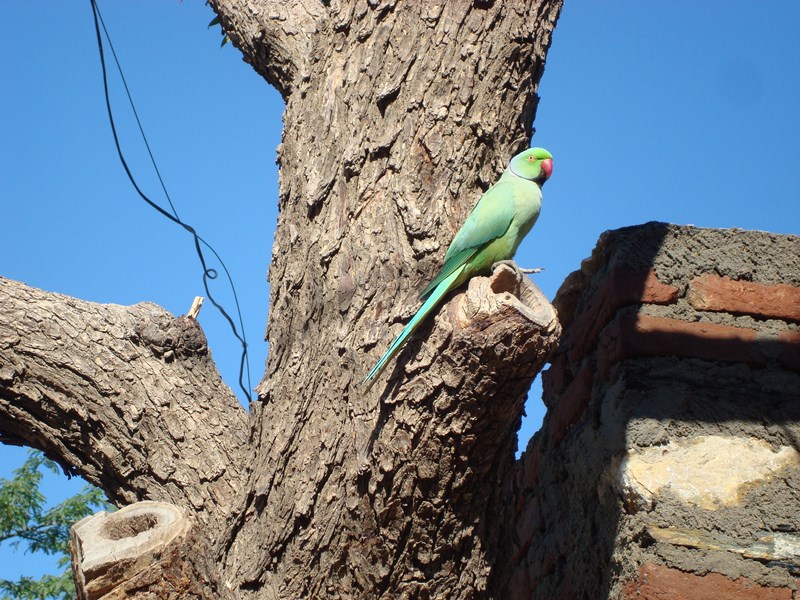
[[676, 111]]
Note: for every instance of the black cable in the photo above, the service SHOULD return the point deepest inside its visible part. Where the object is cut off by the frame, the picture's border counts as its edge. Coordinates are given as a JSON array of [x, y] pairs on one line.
[[208, 273], [135, 113]]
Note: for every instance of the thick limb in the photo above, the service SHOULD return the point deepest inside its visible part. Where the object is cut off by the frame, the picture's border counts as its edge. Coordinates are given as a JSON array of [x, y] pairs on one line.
[[126, 396], [276, 36]]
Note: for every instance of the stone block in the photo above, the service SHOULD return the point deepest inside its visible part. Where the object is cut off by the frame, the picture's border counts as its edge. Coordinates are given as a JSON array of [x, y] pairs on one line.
[[710, 471]]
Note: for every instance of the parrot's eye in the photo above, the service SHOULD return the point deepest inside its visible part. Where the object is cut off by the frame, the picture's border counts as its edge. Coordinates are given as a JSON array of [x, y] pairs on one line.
[[530, 158]]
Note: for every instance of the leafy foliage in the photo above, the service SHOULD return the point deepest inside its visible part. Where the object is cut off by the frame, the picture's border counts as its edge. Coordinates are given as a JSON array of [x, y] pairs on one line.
[[25, 520]]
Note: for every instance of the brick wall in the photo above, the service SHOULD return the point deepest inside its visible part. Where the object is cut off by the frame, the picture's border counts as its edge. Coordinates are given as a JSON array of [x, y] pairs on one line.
[[668, 464]]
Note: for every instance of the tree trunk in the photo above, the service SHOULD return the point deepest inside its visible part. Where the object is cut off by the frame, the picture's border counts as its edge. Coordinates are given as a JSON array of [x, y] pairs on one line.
[[398, 116]]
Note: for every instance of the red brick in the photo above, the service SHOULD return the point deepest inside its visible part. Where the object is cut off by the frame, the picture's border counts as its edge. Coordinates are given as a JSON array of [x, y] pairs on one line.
[[723, 294], [659, 582], [527, 524], [531, 460], [566, 590], [632, 335], [546, 567], [556, 378], [621, 287], [570, 406], [520, 587], [790, 349]]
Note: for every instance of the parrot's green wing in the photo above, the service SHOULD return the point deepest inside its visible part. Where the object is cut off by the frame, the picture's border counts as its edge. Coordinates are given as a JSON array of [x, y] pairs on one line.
[[453, 263], [488, 221]]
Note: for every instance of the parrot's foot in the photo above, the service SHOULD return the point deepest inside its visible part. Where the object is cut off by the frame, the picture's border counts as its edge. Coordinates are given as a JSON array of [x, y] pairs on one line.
[[516, 267]]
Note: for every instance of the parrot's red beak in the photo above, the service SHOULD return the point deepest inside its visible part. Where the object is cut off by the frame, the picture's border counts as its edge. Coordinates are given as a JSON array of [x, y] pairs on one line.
[[547, 167]]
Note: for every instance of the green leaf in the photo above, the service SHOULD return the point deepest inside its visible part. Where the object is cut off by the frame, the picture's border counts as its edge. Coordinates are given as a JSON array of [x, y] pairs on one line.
[[28, 526], [48, 587]]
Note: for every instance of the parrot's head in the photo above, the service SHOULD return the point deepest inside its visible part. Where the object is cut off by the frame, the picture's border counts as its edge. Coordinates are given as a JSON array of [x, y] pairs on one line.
[[535, 164]]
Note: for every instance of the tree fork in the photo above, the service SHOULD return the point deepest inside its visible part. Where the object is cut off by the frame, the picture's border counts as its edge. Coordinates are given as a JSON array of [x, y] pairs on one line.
[[398, 116], [127, 397]]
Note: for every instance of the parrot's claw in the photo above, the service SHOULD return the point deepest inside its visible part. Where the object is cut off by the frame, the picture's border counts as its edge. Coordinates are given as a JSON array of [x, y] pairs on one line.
[[508, 263], [516, 267]]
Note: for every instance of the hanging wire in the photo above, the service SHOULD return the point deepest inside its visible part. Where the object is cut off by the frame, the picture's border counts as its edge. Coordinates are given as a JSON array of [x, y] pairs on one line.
[[199, 242]]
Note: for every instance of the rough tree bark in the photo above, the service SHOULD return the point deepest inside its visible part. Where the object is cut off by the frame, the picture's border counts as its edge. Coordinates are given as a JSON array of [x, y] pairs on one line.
[[398, 116]]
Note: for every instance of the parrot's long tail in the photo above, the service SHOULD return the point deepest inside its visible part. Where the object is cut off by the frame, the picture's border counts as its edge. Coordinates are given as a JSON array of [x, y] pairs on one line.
[[436, 296]]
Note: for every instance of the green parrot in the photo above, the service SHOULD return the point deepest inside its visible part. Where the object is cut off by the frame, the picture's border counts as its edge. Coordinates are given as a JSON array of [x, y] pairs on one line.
[[491, 234]]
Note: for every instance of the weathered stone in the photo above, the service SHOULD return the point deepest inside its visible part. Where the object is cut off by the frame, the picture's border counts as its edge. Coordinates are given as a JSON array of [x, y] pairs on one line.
[[708, 471], [666, 373], [768, 546]]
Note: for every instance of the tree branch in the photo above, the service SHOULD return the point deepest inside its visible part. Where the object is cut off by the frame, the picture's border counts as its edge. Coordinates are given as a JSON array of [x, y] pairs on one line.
[[428, 496], [128, 397], [145, 550], [457, 446], [410, 111], [274, 36]]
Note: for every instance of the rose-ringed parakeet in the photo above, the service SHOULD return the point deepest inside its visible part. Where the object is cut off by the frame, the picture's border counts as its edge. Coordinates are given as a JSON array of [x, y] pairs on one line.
[[491, 234]]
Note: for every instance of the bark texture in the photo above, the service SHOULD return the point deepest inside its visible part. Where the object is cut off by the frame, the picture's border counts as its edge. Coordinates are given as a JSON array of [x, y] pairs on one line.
[[144, 550], [398, 116], [120, 395]]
